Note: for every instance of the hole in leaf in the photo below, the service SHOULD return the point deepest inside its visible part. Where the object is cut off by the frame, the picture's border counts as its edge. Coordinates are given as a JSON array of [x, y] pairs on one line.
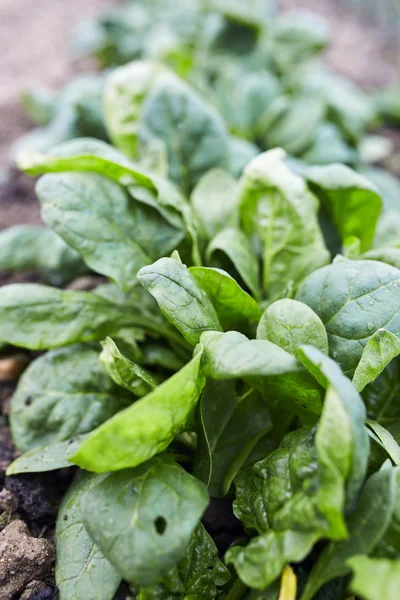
[[160, 524], [28, 400]]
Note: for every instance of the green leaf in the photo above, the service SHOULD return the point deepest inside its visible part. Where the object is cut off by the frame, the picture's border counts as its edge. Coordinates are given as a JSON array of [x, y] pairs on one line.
[[229, 427], [234, 244], [381, 349], [26, 247], [353, 299], [40, 317], [224, 354], [375, 578], [193, 132], [181, 300], [87, 154], [100, 221], [143, 518], [147, 427], [215, 201], [126, 89], [63, 394], [82, 570], [278, 210], [351, 200], [196, 576], [264, 365], [126, 373], [290, 324], [48, 458], [387, 441], [233, 305], [349, 416], [301, 491], [366, 527]]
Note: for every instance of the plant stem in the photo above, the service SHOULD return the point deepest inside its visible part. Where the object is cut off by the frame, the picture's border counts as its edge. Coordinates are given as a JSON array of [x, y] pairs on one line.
[[237, 591]]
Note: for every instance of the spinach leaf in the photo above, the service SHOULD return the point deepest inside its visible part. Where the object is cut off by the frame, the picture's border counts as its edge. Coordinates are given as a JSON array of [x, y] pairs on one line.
[[233, 305], [264, 365], [197, 576], [229, 428], [93, 215], [193, 132], [353, 299], [366, 527], [215, 201], [181, 300], [159, 507], [322, 460], [40, 317], [26, 247], [146, 428], [380, 350], [49, 458], [351, 200], [63, 394], [290, 324], [82, 570], [126, 373], [375, 578], [279, 212], [350, 413], [126, 89], [234, 244], [386, 440]]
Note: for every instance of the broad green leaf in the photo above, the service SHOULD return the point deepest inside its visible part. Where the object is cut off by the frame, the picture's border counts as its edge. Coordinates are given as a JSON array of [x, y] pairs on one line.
[[181, 300], [26, 247], [196, 576], [296, 127], [40, 317], [349, 415], [143, 518], [375, 578], [242, 97], [390, 256], [299, 498], [387, 441], [234, 244], [193, 132], [126, 373], [280, 213], [353, 299], [265, 366], [82, 570], [381, 395], [233, 305], [126, 89], [352, 201], [366, 526], [229, 428], [94, 216], [381, 349], [48, 458], [232, 355], [255, 14], [92, 155], [263, 560], [61, 395], [290, 324], [215, 201], [240, 154], [147, 427]]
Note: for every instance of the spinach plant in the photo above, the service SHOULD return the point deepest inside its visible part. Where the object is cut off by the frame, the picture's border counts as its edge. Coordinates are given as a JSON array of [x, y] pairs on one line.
[[242, 351]]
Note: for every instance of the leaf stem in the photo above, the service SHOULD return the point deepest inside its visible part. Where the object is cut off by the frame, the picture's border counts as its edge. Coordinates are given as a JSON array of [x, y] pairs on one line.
[[237, 591]]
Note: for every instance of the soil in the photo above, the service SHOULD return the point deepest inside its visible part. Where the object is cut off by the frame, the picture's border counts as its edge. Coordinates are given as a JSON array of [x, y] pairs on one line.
[[34, 49]]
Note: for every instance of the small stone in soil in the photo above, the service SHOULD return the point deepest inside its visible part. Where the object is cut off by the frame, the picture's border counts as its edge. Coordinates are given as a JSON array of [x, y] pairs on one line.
[[23, 558]]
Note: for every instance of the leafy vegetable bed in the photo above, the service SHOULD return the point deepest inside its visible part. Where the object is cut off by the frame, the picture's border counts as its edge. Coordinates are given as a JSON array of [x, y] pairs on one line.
[[244, 345]]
